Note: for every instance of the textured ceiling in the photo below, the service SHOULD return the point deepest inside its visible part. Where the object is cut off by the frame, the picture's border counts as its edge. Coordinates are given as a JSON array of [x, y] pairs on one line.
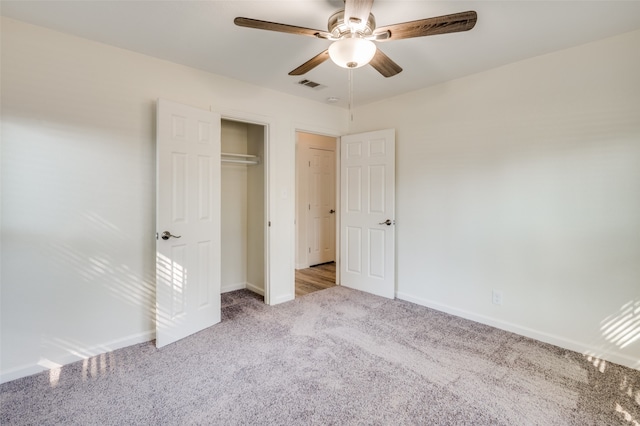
[[201, 34]]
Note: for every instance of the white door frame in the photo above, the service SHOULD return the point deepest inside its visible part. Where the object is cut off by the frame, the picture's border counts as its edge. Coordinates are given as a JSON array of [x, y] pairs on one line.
[[302, 181], [268, 136], [306, 129]]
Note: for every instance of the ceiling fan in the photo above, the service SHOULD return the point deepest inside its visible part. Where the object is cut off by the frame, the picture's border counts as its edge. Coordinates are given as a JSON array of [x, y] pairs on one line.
[[353, 32]]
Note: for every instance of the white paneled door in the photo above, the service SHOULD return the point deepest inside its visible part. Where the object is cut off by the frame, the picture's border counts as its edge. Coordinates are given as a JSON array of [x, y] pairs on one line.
[[367, 229], [187, 220], [322, 204]]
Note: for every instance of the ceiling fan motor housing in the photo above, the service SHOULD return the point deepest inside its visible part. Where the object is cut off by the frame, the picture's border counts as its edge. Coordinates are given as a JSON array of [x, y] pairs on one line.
[[340, 29]]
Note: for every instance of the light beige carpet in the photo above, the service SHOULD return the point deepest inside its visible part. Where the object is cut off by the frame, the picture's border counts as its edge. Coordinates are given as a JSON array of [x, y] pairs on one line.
[[337, 357]]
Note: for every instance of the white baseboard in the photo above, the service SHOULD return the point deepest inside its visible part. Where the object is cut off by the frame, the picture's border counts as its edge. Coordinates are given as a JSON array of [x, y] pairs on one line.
[[241, 286], [282, 299], [553, 339], [77, 355], [226, 288], [302, 266], [254, 288]]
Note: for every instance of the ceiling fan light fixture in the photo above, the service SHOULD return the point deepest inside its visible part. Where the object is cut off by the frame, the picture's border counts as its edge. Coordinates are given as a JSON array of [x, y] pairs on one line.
[[353, 52]]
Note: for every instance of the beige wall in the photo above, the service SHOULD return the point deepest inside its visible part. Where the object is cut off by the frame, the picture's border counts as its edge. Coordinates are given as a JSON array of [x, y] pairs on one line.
[[526, 179], [78, 188]]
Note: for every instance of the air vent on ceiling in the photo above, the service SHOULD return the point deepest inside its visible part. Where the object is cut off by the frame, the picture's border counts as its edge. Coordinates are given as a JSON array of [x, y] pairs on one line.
[[311, 84]]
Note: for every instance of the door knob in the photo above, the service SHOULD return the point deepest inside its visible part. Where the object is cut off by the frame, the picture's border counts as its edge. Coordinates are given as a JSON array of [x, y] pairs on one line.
[[166, 235], [387, 222], [332, 211]]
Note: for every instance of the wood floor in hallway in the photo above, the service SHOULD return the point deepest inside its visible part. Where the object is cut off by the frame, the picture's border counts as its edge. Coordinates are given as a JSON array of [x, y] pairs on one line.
[[315, 278]]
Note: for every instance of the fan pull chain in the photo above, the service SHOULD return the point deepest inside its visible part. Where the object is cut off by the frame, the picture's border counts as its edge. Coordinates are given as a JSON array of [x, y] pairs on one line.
[[351, 95]]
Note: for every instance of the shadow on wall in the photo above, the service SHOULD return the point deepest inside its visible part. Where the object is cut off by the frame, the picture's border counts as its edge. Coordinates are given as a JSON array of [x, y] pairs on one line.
[[623, 328], [620, 332], [620, 388], [103, 264], [96, 266]]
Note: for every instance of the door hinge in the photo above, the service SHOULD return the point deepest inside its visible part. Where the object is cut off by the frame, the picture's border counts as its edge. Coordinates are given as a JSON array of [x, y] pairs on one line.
[[309, 206], [309, 249], [269, 223]]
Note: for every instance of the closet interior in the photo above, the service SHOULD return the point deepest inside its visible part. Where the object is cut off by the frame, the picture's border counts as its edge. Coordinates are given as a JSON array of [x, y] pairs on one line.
[[243, 223]]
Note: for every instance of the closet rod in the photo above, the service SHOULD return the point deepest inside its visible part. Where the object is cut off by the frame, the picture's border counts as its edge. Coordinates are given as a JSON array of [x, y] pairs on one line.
[[231, 160]]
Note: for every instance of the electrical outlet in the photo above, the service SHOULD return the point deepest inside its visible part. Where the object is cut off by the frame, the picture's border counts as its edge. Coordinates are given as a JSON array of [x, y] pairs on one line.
[[497, 297]]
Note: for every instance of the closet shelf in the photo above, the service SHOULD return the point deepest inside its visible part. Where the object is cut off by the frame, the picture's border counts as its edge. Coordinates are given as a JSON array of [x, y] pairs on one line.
[[227, 157], [229, 154]]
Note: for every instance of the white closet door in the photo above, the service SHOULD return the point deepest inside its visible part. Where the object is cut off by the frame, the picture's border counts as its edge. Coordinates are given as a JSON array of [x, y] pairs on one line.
[[187, 220]]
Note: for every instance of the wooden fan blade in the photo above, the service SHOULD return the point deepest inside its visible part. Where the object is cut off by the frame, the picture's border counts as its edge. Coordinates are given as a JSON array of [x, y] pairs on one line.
[[384, 65], [357, 11], [311, 63], [454, 23], [283, 28]]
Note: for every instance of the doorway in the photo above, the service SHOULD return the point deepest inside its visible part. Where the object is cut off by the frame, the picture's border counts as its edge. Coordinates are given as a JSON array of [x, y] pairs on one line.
[[243, 201], [316, 212]]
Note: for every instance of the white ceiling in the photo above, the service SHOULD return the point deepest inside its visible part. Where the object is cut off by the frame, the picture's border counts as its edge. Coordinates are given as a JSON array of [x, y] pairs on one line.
[[201, 34]]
